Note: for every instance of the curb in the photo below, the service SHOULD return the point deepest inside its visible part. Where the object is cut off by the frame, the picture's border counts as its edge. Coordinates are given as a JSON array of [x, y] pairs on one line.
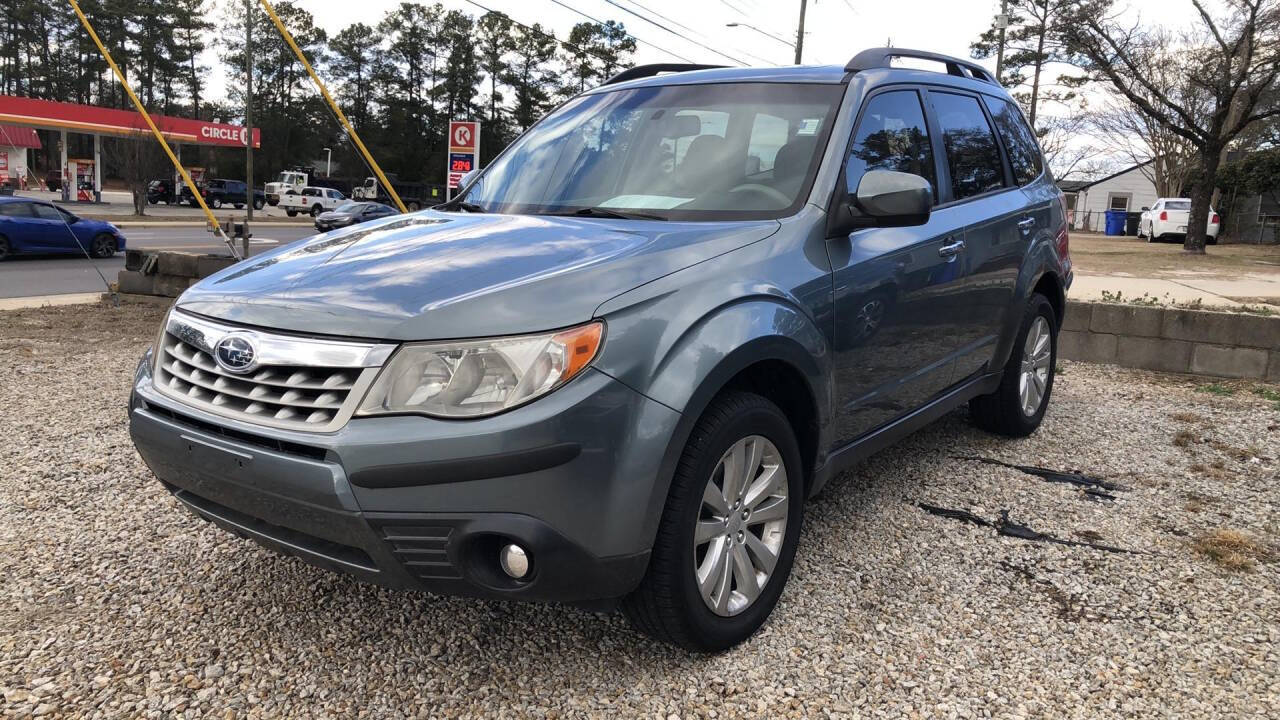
[[37, 301]]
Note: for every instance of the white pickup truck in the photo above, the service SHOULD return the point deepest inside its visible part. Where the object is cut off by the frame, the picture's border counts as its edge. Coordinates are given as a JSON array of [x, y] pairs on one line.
[[1168, 217], [313, 200]]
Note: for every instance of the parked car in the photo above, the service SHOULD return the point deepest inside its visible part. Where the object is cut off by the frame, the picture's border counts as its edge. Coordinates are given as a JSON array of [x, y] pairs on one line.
[[162, 191], [219, 192], [612, 375], [1168, 218], [313, 200], [352, 213], [33, 226]]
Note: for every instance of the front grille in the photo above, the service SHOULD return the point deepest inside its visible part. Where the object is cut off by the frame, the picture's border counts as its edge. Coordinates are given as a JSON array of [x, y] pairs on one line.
[[280, 391], [423, 550]]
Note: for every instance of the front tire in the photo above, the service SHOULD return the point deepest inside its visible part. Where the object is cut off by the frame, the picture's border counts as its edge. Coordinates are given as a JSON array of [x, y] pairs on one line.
[[316, 210], [1017, 407], [5, 249], [216, 203], [729, 530], [291, 213], [257, 204]]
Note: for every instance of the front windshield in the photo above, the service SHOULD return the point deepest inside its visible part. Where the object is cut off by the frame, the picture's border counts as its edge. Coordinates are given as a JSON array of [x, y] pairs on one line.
[[693, 152], [349, 207]]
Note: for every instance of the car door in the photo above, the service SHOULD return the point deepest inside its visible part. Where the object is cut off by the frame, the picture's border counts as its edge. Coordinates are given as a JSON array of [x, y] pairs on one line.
[[893, 286], [997, 226], [18, 224], [52, 227]]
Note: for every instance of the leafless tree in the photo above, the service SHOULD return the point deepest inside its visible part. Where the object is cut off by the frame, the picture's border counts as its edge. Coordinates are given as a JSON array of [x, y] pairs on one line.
[[138, 161], [1233, 63], [1068, 148]]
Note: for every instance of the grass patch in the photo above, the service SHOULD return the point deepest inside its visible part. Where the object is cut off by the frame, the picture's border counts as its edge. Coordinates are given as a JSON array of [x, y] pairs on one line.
[[1270, 395], [1232, 549], [1217, 389]]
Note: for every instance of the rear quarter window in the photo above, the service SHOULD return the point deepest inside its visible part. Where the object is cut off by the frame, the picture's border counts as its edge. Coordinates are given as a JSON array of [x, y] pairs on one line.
[[1019, 140]]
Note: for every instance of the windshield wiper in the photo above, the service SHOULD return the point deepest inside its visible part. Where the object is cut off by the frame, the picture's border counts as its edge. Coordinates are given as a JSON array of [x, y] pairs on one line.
[[601, 212], [459, 205]]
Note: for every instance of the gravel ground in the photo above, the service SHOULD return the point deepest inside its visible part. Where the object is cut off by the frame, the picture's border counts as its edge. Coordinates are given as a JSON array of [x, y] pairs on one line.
[[115, 602]]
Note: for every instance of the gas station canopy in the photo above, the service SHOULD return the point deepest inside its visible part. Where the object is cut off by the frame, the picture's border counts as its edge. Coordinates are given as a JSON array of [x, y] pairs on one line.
[[50, 115]]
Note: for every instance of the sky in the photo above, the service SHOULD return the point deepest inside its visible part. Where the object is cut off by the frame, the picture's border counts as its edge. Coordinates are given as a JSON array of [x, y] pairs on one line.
[[835, 29]]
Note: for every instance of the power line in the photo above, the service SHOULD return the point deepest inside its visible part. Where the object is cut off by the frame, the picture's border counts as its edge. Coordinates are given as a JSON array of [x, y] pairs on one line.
[[667, 18], [543, 33], [633, 37], [673, 32]]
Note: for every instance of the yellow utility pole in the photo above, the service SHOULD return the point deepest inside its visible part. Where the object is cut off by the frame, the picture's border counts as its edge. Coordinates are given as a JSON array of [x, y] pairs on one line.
[[154, 130], [288, 38]]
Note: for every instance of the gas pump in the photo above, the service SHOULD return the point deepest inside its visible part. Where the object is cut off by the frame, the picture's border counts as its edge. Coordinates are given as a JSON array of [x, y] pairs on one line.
[[82, 171]]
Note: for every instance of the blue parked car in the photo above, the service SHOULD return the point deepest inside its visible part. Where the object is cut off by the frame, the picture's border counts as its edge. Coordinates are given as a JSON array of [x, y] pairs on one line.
[[33, 226]]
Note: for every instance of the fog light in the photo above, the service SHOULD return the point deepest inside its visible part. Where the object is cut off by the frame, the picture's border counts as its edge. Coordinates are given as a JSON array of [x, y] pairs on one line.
[[515, 562]]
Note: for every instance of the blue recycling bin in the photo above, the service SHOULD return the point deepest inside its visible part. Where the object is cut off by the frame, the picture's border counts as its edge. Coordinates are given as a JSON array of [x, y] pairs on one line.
[[1115, 222]]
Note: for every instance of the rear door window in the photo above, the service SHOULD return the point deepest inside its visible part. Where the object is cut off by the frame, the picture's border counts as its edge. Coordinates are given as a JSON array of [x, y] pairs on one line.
[[972, 153], [1019, 141], [48, 212], [892, 135]]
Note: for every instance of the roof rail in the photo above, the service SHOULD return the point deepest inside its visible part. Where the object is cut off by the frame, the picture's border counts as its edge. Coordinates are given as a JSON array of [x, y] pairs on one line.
[[643, 71], [882, 56]]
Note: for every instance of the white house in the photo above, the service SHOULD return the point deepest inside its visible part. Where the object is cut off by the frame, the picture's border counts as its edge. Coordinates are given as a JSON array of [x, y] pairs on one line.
[[14, 143], [1127, 190]]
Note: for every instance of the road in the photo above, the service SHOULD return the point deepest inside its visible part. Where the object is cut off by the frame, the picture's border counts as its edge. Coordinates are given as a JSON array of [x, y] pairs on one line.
[[24, 276]]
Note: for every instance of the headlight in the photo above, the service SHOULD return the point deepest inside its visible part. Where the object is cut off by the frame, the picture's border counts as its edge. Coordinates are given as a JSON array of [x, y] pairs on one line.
[[480, 377]]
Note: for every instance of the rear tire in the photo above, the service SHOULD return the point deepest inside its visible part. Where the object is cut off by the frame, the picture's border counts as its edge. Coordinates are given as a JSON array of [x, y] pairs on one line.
[[257, 204], [1027, 376], [216, 203], [5, 249], [701, 519], [291, 213], [103, 246]]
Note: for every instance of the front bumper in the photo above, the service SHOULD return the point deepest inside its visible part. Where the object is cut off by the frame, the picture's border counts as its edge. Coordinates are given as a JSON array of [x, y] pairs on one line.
[[414, 502]]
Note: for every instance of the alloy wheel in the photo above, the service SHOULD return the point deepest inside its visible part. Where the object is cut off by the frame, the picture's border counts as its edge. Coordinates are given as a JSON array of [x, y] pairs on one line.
[[104, 246], [1037, 352], [741, 525]]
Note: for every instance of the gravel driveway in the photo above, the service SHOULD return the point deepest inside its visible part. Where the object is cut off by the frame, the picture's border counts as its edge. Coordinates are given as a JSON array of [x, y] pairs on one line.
[[115, 602]]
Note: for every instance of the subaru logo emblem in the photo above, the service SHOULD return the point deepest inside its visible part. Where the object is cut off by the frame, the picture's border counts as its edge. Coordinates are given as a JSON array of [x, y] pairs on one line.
[[235, 353]]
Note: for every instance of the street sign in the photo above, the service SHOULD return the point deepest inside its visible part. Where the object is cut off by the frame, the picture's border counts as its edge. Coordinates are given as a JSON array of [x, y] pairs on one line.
[[464, 151]]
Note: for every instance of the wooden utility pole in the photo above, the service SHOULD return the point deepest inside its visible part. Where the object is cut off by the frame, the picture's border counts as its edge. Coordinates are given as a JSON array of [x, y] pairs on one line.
[[800, 34], [1003, 21], [248, 119]]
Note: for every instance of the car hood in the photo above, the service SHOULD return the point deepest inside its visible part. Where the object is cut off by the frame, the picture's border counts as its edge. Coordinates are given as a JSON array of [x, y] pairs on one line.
[[434, 275]]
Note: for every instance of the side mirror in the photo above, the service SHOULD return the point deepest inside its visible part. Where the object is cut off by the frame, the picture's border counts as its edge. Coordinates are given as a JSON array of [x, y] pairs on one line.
[[894, 199], [884, 198]]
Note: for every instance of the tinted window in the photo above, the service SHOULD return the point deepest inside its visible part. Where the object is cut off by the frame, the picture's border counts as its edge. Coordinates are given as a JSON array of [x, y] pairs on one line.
[[1177, 205], [892, 135], [48, 212], [972, 153], [310, 191], [1019, 141], [15, 209]]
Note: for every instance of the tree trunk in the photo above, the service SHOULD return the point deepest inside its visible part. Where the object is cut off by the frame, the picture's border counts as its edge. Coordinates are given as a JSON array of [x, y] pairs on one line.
[[1201, 197]]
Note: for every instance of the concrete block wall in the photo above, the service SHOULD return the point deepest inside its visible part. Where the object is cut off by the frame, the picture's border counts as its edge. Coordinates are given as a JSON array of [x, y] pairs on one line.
[[166, 273], [1197, 342]]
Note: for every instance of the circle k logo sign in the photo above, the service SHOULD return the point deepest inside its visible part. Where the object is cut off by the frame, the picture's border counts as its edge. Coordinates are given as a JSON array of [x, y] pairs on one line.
[[234, 134]]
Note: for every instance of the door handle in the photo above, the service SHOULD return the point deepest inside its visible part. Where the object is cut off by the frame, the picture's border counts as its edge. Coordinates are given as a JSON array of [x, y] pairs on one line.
[[951, 249], [1026, 224]]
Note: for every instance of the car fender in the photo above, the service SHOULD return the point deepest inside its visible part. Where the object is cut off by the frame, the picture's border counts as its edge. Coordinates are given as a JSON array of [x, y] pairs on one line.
[[687, 370]]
